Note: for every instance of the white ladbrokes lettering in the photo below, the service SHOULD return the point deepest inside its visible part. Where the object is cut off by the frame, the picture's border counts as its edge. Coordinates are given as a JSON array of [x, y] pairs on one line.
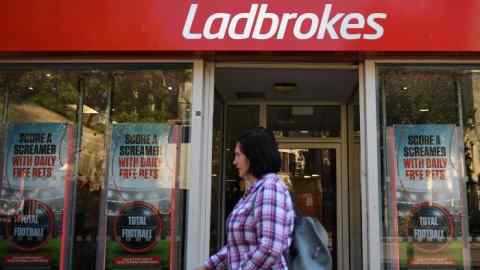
[[263, 25]]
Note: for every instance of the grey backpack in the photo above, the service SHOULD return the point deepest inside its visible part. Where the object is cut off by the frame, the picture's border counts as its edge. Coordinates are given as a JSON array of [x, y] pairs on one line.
[[309, 248]]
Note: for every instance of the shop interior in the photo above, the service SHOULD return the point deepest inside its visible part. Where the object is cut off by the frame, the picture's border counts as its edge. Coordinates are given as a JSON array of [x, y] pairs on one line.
[[313, 112]]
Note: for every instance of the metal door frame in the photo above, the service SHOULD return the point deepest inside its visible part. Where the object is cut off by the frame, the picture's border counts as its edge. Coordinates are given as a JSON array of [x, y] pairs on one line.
[[341, 197]]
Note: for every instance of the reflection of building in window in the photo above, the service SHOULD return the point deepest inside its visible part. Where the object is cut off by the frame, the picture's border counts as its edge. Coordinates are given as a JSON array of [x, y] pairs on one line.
[[471, 87], [300, 162], [472, 124]]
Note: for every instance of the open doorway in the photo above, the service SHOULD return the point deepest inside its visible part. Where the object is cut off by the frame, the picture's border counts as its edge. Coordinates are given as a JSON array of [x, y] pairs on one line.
[[313, 112]]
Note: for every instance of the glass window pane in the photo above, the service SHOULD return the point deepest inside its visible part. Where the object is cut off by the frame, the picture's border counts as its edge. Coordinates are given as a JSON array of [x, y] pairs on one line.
[[311, 174], [239, 118], [430, 166], [4, 84], [92, 166], [304, 121], [216, 218], [152, 96], [37, 154], [42, 96], [150, 102], [426, 96], [356, 121], [149, 167]]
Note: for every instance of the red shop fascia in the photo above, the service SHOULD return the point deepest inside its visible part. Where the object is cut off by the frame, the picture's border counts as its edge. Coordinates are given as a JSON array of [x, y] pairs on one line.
[[336, 30]]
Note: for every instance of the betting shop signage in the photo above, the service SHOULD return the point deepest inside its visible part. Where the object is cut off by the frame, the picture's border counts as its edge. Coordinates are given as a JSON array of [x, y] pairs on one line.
[[140, 195], [240, 25], [37, 162], [137, 220], [427, 196], [278, 24]]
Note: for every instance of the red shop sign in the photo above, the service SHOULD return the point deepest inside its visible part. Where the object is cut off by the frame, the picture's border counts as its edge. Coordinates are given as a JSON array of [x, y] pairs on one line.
[[239, 25]]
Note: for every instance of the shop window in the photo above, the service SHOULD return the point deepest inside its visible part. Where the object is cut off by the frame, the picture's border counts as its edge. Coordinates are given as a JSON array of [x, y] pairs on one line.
[[122, 132], [91, 170], [430, 165], [151, 112], [37, 155]]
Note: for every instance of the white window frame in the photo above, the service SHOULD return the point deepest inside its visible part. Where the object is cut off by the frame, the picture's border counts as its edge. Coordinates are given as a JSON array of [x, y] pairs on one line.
[[372, 246], [198, 217]]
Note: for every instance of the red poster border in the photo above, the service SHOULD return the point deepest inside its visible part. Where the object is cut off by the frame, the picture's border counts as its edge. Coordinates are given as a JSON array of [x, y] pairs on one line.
[[393, 178], [173, 210], [66, 198]]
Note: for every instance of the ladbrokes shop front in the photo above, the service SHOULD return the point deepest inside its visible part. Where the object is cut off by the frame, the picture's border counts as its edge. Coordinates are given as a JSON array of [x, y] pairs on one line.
[[119, 120]]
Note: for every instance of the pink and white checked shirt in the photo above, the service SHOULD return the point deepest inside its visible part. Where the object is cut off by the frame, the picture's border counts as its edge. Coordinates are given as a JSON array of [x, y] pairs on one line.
[[259, 229]]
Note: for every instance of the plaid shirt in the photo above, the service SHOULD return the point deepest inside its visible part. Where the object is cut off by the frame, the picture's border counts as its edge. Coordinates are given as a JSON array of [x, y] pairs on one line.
[[259, 229]]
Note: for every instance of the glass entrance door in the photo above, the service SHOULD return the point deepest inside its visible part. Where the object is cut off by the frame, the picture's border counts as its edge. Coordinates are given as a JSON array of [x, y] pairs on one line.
[[311, 171]]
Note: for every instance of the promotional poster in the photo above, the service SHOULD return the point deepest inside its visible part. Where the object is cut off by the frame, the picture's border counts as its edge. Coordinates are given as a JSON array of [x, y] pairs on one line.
[[426, 164], [37, 164], [142, 184]]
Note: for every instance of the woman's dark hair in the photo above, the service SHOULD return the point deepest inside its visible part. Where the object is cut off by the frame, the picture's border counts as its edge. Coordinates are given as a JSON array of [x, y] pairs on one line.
[[261, 149]]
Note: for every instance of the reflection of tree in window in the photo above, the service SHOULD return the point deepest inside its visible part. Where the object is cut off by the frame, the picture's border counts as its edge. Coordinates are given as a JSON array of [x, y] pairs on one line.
[[419, 96], [152, 96], [42, 94]]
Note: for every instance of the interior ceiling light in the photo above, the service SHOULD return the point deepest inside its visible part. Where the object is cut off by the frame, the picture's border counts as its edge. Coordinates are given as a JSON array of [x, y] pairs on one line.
[[471, 71], [286, 122], [303, 110], [424, 110], [250, 95], [284, 88]]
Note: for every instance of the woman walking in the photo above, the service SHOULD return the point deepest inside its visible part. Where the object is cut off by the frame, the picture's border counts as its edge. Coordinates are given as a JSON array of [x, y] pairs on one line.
[[259, 229]]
